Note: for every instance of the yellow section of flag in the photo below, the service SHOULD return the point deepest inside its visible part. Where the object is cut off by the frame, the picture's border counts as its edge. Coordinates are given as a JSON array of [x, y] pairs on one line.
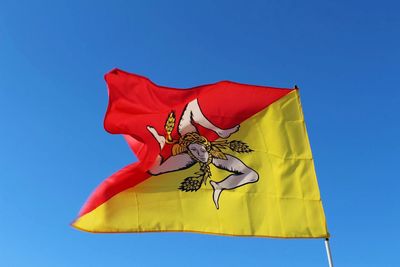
[[284, 202]]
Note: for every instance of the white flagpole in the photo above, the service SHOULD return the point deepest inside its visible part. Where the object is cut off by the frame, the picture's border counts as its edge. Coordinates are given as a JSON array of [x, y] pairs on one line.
[[328, 252]]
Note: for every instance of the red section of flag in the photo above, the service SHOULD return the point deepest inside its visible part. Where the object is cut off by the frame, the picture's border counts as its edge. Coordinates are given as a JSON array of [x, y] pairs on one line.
[[135, 102]]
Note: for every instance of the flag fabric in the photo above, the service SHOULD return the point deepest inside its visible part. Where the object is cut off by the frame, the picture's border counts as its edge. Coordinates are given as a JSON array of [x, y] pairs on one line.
[[224, 158]]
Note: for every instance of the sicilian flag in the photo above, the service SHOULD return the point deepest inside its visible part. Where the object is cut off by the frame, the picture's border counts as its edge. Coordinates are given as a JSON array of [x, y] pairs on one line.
[[224, 158]]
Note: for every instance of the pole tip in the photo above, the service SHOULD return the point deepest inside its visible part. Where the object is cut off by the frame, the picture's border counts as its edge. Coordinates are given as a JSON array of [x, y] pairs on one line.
[[296, 87]]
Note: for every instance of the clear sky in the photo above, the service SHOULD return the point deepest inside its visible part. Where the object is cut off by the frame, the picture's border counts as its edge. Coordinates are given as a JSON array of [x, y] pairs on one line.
[[344, 56]]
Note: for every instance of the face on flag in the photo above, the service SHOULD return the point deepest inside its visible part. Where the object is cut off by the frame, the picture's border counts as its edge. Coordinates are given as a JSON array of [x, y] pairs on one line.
[[224, 158]]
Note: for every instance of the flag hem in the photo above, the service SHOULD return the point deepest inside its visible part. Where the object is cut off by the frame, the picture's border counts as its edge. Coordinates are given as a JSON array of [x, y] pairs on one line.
[[195, 232]]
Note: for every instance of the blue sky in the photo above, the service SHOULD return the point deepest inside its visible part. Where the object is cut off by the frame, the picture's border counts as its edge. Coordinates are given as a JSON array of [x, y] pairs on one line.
[[344, 55]]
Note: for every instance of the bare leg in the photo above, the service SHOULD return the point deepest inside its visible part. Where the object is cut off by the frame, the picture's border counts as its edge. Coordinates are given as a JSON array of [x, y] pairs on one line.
[[241, 175], [193, 112], [173, 163]]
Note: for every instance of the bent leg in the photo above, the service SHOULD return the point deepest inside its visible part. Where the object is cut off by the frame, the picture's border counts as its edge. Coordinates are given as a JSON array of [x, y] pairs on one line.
[[173, 163], [193, 112], [242, 175]]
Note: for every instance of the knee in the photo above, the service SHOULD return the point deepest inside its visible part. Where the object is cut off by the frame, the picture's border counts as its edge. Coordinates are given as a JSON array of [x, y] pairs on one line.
[[253, 176], [155, 170]]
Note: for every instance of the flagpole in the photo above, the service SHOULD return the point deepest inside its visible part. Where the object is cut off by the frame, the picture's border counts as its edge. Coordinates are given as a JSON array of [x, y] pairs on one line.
[[328, 252]]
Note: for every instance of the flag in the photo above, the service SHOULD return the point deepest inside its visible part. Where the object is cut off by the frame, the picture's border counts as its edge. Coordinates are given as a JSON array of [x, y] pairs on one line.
[[224, 158]]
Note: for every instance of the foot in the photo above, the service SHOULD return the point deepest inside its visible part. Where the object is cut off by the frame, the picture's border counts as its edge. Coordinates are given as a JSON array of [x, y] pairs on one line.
[[228, 132], [216, 193], [160, 139]]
